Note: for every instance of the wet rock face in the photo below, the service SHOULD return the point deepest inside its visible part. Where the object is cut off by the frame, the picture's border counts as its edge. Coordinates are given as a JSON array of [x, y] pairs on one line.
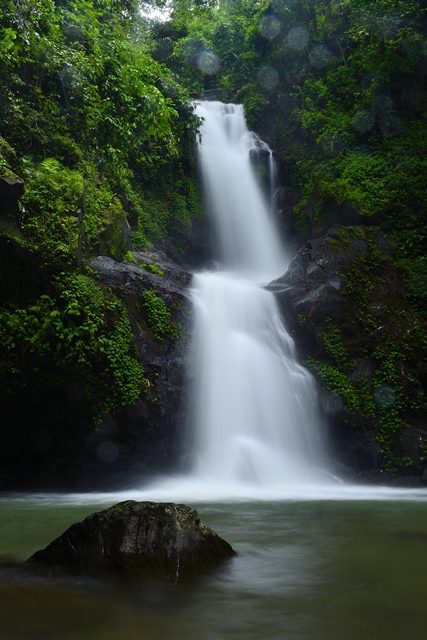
[[149, 432], [47, 428], [190, 248], [312, 292], [161, 541], [344, 303], [11, 189]]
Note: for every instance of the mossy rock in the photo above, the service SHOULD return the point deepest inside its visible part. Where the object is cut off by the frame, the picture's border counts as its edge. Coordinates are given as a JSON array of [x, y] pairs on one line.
[[347, 308], [162, 541]]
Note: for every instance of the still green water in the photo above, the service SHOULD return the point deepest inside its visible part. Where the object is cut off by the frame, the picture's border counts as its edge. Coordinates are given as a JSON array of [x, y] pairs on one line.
[[310, 570]]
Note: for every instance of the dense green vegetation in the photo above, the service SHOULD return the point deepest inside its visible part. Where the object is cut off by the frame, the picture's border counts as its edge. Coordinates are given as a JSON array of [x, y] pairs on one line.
[[338, 87], [96, 117], [83, 103], [159, 316], [91, 123], [79, 329]]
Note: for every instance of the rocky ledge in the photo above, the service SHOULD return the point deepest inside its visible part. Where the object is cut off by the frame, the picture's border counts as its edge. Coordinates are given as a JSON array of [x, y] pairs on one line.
[[48, 422], [345, 304]]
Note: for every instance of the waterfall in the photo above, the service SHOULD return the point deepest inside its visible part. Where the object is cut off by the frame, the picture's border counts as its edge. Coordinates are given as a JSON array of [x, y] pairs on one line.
[[254, 417], [246, 240]]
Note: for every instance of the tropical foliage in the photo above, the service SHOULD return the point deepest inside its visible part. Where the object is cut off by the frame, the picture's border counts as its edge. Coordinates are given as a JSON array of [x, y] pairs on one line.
[[80, 88], [99, 130], [338, 88], [96, 117]]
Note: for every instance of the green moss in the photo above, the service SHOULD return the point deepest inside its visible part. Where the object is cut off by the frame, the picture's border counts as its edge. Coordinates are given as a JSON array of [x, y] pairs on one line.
[[340, 243], [151, 266], [81, 329], [302, 320], [337, 382], [356, 232], [160, 317], [129, 257], [334, 347], [394, 336], [414, 274]]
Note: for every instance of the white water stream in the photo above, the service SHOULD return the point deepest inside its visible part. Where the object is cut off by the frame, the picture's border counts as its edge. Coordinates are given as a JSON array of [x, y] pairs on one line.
[[255, 418], [255, 432], [247, 242], [255, 428]]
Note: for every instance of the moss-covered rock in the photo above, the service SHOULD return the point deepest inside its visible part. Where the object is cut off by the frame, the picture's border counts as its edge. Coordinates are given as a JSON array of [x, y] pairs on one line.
[[151, 428], [162, 541], [345, 304], [91, 377]]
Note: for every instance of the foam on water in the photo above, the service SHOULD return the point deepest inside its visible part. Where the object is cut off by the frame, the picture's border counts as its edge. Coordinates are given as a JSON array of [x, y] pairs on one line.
[[185, 489]]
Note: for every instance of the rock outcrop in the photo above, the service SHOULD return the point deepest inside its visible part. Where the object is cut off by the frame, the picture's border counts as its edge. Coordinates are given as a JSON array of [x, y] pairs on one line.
[[160, 541], [148, 433], [344, 303], [11, 189], [48, 419]]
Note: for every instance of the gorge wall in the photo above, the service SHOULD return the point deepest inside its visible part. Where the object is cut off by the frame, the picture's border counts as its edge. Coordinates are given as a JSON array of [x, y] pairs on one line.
[[52, 433], [343, 301], [346, 306]]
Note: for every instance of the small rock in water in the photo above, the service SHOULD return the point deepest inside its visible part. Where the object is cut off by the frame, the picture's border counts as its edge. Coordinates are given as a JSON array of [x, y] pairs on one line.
[[162, 541]]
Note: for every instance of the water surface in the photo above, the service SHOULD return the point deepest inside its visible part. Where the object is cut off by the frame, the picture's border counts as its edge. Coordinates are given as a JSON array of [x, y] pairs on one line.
[[315, 570]]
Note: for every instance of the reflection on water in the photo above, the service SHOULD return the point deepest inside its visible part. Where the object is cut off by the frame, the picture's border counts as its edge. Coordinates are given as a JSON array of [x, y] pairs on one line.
[[305, 571]]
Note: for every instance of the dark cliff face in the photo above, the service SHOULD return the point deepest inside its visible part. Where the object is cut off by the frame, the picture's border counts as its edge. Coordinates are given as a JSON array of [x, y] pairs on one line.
[[50, 435], [344, 303], [151, 429]]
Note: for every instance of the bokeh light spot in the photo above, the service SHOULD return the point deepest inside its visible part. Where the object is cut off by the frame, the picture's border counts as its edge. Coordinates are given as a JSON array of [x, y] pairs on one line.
[[390, 124], [107, 452], [298, 38], [389, 26], [268, 77], [332, 145], [208, 62], [385, 396], [337, 6], [319, 56], [374, 81], [363, 120], [270, 26], [72, 31], [382, 104], [70, 77], [163, 48], [335, 403]]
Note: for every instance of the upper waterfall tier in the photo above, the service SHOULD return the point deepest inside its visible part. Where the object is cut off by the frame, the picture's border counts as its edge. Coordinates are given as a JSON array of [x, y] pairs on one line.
[[246, 236]]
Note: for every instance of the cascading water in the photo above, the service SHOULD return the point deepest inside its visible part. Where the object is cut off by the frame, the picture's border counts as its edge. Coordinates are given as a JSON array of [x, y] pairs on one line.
[[255, 419], [246, 240]]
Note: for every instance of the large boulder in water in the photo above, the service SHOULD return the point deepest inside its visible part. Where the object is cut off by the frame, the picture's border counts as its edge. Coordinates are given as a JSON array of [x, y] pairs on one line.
[[162, 541]]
